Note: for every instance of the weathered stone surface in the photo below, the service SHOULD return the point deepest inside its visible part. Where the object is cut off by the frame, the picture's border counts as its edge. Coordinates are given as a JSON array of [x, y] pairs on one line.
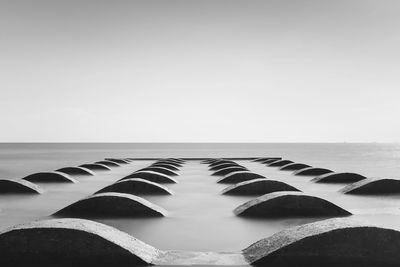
[[240, 176], [20, 186], [279, 163], [338, 177], [119, 161], [160, 170], [294, 166], [165, 165], [324, 243], [229, 170], [258, 187], [152, 176], [373, 187], [76, 171], [112, 205], [137, 186], [72, 242], [50, 177], [108, 163], [96, 167], [289, 204], [311, 171]]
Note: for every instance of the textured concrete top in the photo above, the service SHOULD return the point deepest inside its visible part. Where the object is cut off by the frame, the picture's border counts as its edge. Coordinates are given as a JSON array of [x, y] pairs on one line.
[[19, 186], [289, 203], [146, 252], [116, 242], [338, 177], [55, 176], [373, 186], [160, 177]]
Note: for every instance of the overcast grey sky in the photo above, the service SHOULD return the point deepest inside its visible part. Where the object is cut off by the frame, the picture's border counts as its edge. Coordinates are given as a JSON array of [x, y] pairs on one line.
[[201, 71]]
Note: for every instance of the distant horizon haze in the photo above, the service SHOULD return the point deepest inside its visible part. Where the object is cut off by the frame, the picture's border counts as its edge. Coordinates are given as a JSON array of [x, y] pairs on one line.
[[247, 71]]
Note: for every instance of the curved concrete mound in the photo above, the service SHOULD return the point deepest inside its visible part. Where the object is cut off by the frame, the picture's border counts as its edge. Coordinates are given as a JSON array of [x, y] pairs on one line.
[[264, 159], [338, 242], [220, 162], [259, 159], [280, 163], [223, 166], [268, 161], [136, 186], [289, 204], [173, 163], [119, 161], [108, 163], [8, 186], [294, 166], [373, 187], [240, 176], [160, 170], [112, 205], [228, 170], [155, 177], [166, 166], [311, 171], [96, 167], [258, 187], [76, 171], [72, 242], [50, 177], [339, 177], [210, 161]]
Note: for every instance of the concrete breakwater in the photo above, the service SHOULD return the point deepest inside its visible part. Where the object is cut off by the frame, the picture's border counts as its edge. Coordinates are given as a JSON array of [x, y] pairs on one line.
[[87, 243], [254, 195]]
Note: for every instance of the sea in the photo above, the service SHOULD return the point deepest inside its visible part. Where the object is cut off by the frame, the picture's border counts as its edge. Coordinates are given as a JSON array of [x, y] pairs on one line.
[[199, 217]]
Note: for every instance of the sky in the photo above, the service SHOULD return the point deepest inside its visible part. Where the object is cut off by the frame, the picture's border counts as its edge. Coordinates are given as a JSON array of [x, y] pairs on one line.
[[199, 71]]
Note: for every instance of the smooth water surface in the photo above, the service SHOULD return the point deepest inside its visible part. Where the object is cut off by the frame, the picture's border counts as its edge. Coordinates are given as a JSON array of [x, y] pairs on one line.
[[199, 217]]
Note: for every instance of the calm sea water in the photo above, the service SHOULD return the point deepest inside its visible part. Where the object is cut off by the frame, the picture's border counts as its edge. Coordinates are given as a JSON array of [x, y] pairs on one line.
[[200, 218]]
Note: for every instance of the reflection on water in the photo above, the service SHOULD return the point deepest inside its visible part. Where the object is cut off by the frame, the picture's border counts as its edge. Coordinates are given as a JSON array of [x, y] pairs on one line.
[[200, 218]]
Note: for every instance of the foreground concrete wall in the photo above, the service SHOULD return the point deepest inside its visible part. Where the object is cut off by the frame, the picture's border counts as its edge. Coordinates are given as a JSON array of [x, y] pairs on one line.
[[77, 242], [70, 242], [334, 241]]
